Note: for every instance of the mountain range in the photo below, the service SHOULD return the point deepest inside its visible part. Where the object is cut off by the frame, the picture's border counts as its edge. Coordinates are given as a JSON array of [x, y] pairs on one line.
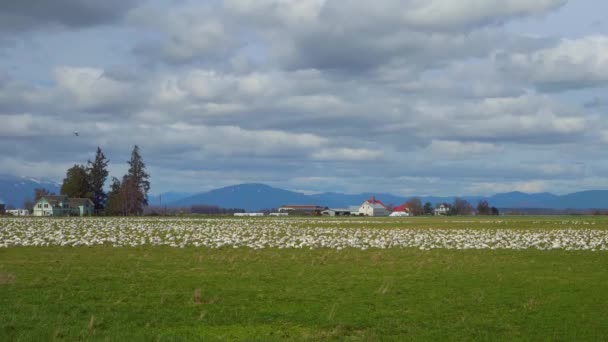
[[252, 197], [16, 190]]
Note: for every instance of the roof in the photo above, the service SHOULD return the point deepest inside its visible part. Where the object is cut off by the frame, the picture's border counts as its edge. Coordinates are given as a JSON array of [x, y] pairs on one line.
[[77, 202], [402, 208], [53, 200], [373, 200], [302, 206]]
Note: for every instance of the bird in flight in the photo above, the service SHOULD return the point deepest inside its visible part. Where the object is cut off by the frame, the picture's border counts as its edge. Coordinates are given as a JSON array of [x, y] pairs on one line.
[[76, 133]]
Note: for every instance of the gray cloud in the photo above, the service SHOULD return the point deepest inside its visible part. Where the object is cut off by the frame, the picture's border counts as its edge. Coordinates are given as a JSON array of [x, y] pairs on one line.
[[35, 14], [300, 94]]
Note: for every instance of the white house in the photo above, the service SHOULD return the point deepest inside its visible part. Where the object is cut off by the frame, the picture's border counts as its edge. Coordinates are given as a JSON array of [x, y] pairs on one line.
[[63, 206], [373, 207], [442, 209]]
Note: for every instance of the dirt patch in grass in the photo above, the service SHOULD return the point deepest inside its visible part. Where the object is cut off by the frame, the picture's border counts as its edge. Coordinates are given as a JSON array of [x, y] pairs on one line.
[[6, 278]]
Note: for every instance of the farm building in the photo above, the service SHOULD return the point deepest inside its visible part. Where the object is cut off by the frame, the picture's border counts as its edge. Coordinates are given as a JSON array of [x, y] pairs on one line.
[[402, 210], [18, 212], [248, 214], [354, 210], [313, 210], [63, 206], [373, 207], [337, 212]]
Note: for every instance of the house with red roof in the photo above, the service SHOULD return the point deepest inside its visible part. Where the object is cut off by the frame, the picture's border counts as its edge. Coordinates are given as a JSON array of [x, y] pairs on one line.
[[373, 207]]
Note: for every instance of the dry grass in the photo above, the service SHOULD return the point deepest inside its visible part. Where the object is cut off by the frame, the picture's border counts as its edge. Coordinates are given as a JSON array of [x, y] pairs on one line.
[[6, 278], [197, 298]]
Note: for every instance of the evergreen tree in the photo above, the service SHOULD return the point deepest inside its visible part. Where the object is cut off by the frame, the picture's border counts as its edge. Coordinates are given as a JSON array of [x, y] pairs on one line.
[[97, 175], [114, 205], [428, 208], [136, 183], [76, 184]]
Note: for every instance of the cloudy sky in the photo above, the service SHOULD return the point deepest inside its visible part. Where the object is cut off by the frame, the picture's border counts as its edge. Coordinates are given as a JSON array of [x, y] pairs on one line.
[[426, 97]]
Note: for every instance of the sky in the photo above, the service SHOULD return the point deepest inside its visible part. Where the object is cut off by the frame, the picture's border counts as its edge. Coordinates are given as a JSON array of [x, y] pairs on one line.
[[411, 97]]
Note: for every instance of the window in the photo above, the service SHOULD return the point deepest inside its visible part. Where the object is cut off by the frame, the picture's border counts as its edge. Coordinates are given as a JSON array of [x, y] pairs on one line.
[[46, 205], [39, 205]]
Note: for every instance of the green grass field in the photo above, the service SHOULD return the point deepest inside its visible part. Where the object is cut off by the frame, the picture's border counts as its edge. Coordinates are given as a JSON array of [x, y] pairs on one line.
[[162, 293]]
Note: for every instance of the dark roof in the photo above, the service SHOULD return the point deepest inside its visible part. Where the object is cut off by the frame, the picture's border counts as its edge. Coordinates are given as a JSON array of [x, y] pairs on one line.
[[53, 200], [77, 202], [302, 206]]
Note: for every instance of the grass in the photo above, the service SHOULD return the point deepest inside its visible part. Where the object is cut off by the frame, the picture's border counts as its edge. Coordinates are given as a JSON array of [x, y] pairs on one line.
[[166, 294]]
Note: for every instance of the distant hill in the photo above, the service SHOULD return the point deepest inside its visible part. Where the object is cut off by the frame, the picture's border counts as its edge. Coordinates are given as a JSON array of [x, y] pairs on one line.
[[167, 197], [15, 190], [246, 196], [254, 197]]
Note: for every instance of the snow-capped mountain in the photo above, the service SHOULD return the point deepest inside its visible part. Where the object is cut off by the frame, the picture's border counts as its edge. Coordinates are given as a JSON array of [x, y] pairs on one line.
[[16, 190]]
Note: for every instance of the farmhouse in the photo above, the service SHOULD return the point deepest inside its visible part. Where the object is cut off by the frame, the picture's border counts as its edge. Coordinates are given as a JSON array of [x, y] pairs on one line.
[[442, 209], [63, 206], [373, 207]]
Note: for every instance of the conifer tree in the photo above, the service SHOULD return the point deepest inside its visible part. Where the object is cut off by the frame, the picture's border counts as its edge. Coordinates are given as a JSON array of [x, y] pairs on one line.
[[136, 183], [97, 174], [114, 205]]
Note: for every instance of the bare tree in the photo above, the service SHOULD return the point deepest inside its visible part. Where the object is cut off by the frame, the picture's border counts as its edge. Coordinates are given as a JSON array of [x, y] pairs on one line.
[[483, 208], [415, 205], [461, 207]]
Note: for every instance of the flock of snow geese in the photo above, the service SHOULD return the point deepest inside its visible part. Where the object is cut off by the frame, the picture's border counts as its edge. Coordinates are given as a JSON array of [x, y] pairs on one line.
[[290, 233]]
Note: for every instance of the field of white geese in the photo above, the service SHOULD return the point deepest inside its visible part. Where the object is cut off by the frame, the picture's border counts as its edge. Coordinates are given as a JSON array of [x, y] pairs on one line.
[[308, 233]]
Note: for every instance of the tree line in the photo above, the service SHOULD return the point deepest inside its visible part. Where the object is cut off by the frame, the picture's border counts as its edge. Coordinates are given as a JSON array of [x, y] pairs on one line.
[[459, 207], [128, 196]]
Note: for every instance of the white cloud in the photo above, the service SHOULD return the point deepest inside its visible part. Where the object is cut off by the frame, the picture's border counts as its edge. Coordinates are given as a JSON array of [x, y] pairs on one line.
[[449, 14], [347, 154], [350, 95], [446, 148], [89, 89], [535, 186], [571, 64]]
